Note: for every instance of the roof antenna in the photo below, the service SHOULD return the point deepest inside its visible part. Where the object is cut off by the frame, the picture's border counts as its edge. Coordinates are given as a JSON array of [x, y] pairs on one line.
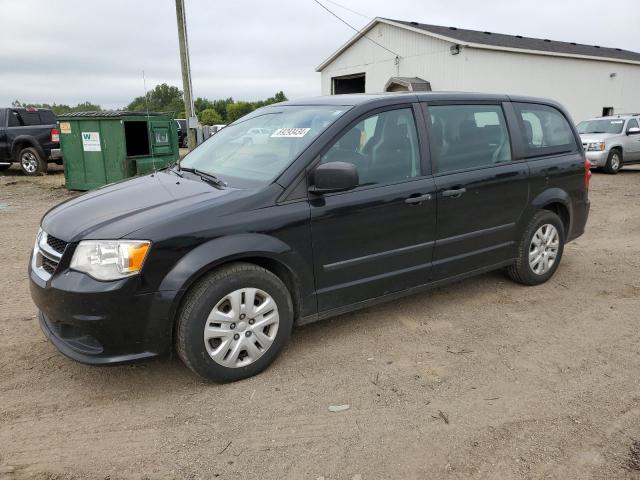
[[146, 102]]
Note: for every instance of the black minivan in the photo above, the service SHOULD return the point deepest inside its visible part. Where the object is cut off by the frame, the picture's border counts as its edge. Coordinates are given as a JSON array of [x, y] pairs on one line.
[[305, 210]]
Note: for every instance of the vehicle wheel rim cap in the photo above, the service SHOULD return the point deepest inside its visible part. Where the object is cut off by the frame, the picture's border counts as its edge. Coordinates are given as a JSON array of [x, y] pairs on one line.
[[615, 162], [220, 339], [543, 250], [29, 162]]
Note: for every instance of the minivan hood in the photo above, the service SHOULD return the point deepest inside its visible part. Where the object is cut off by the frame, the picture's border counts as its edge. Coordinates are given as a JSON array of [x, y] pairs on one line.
[[597, 137], [116, 210]]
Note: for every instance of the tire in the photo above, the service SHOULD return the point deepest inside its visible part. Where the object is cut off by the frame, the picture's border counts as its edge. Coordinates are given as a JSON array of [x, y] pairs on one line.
[[614, 162], [227, 355], [31, 163], [531, 273]]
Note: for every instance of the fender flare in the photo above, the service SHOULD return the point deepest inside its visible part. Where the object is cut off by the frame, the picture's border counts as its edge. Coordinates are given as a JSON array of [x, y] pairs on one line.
[[555, 195], [26, 139], [618, 146], [230, 248]]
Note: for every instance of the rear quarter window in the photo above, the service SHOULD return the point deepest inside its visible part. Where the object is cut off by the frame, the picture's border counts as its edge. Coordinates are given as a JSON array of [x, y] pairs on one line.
[[30, 118], [545, 130], [47, 117]]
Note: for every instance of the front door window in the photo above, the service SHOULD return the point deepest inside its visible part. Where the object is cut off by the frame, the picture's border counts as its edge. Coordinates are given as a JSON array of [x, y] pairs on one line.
[[383, 147]]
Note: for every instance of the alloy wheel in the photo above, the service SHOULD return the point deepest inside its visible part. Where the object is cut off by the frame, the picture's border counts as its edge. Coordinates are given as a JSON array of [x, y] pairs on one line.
[[615, 162], [29, 162]]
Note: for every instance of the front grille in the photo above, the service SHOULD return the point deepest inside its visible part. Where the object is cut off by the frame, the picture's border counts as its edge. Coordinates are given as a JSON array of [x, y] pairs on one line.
[[49, 265], [57, 244], [47, 255]]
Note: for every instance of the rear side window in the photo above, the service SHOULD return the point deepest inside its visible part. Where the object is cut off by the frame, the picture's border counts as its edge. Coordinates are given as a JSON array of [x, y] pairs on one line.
[[30, 118], [47, 117], [468, 136], [384, 148], [545, 130]]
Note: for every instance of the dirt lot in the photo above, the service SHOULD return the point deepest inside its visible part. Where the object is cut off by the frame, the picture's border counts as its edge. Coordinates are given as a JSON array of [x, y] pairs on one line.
[[485, 379]]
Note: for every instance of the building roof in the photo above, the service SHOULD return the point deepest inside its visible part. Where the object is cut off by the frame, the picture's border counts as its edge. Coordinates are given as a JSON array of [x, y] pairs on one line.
[[412, 84], [525, 43], [499, 41]]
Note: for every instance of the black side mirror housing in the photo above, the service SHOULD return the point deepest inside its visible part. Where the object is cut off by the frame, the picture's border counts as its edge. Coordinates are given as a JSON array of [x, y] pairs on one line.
[[334, 177]]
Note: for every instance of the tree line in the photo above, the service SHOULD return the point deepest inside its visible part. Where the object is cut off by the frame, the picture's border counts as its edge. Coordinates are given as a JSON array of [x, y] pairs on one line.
[[169, 99]]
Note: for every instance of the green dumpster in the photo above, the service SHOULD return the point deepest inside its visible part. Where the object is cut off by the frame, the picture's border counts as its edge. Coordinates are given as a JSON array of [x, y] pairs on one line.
[[103, 147]]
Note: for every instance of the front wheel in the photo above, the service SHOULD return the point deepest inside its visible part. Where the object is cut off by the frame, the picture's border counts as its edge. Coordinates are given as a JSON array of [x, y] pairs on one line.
[[31, 162], [614, 162], [539, 250], [234, 323]]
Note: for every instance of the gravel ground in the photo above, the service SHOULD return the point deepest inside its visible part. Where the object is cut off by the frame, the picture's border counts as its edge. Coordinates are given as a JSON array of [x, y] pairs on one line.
[[484, 379]]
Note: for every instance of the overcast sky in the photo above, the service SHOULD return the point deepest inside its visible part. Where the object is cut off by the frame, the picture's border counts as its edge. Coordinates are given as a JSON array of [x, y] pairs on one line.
[[69, 51]]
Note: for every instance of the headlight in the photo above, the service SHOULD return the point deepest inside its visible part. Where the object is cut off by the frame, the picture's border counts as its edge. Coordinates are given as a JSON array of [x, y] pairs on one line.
[[110, 259], [595, 147]]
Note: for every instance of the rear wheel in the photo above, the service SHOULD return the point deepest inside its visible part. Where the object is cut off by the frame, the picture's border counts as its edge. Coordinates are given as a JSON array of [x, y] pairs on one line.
[[234, 323], [31, 162], [540, 250], [614, 162]]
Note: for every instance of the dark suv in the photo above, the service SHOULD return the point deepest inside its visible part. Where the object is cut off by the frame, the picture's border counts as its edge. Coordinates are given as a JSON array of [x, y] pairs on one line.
[[349, 201], [30, 137]]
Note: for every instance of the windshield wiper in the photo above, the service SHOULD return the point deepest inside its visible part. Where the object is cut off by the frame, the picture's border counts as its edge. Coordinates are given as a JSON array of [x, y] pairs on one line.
[[171, 169], [207, 177]]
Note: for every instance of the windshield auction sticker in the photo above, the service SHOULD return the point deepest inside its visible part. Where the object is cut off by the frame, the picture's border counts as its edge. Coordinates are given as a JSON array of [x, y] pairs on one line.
[[290, 132]]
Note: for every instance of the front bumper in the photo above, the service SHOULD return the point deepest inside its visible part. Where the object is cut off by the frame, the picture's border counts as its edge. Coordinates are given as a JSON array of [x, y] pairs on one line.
[[597, 159], [102, 323]]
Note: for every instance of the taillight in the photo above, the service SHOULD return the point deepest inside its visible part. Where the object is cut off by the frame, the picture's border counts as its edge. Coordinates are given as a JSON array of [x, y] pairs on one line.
[[587, 173], [55, 135]]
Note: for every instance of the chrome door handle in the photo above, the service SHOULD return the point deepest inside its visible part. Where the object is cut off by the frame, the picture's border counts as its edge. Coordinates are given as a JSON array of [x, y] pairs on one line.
[[454, 192], [418, 199]]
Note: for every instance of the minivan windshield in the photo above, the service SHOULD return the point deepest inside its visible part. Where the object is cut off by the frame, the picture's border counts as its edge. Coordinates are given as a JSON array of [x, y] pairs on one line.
[[252, 151], [601, 126]]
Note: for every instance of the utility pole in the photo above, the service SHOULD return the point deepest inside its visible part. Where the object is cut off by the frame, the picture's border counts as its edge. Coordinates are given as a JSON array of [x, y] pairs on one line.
[[189, 107]]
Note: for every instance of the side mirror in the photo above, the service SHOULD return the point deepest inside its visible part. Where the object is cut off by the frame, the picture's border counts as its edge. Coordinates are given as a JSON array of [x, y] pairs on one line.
[[334, 177], [633, 131]]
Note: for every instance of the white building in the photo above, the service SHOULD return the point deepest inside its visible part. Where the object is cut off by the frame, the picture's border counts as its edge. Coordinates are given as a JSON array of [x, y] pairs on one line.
[[391, 55]]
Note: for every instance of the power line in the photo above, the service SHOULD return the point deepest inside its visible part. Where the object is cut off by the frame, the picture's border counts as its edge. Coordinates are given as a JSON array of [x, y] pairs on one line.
[[355, 29], [349, 10]]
